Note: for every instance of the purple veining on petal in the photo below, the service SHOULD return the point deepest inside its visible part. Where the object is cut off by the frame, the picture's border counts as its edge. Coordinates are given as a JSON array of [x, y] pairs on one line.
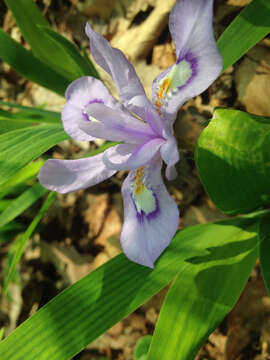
[[84, 113]]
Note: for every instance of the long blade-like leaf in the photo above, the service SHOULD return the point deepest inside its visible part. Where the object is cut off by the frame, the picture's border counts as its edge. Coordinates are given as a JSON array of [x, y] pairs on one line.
[[29, 19], [202, 296], [21, 203], [28, 113], [84, 67], [86, 309], [19, 147], [247, 29], [30, 67], [21, 177], [264, 233]]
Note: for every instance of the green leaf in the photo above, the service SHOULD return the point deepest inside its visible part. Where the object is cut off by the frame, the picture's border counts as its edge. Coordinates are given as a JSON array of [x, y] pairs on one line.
[[100, 149], [21, 203], [19, 147], [29, 19], [21, 177], [26, 117], [247, 29], [264, 233], [19, 245], [83, 67], [29, 66], [203, 294], [2, 330], [35, 114], [7, 125], [233, 160], [4, 204], [8, 232], [11, 227], [81, 313], [142, 347]]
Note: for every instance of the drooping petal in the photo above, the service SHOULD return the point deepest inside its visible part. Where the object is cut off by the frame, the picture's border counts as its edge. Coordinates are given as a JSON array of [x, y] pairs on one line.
[[114, 125], [114, 62], [80, 93], [124, 157], [170, 154], [198, 60], [66, 176], [150, 215]]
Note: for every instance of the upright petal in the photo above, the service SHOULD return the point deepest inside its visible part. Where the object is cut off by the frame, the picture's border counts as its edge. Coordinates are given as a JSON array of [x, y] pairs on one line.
[[65, 176], [79, 94], [114, 62], [198, 60], [126, 157], [150, 215], [114, 124]]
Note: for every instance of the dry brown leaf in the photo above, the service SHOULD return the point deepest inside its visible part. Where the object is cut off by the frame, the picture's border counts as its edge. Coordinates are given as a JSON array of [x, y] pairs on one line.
[[164, 55], [138, 41], [68, 261], [101, 8], [96, 214], [253, 81], [247, 317], [238, 2], [110, 232], [201, 214]]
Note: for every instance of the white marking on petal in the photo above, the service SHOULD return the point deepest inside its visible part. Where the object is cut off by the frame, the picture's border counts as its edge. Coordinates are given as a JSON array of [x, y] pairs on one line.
[[143, 196], [177, 77], [89, 117]]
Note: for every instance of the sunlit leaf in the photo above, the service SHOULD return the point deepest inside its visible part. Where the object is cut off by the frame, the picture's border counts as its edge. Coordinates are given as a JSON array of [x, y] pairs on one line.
[[85, 67], [29, 19], [142, 347], [247, 29], [29, 66], [95, 303], [264, 233], [233, 160], [21, 203], [31, 114], [19, 147], [21, 177], [203, 294]]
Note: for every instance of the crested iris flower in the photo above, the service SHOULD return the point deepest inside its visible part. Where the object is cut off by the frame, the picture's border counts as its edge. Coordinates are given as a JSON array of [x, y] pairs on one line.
[[144, 128]]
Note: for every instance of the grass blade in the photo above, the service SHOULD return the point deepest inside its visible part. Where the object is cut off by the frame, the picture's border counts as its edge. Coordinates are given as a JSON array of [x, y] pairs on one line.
[[29, 66], [19, 147], [246, 30], [21, 203], [21, 240]]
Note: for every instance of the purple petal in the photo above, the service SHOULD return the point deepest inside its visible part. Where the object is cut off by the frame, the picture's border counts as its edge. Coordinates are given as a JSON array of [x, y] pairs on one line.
[[124, 157], [114, 125], [198, 60], [79, 94], [66, 176], [170, 154], [114, 62], [150, 215]]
